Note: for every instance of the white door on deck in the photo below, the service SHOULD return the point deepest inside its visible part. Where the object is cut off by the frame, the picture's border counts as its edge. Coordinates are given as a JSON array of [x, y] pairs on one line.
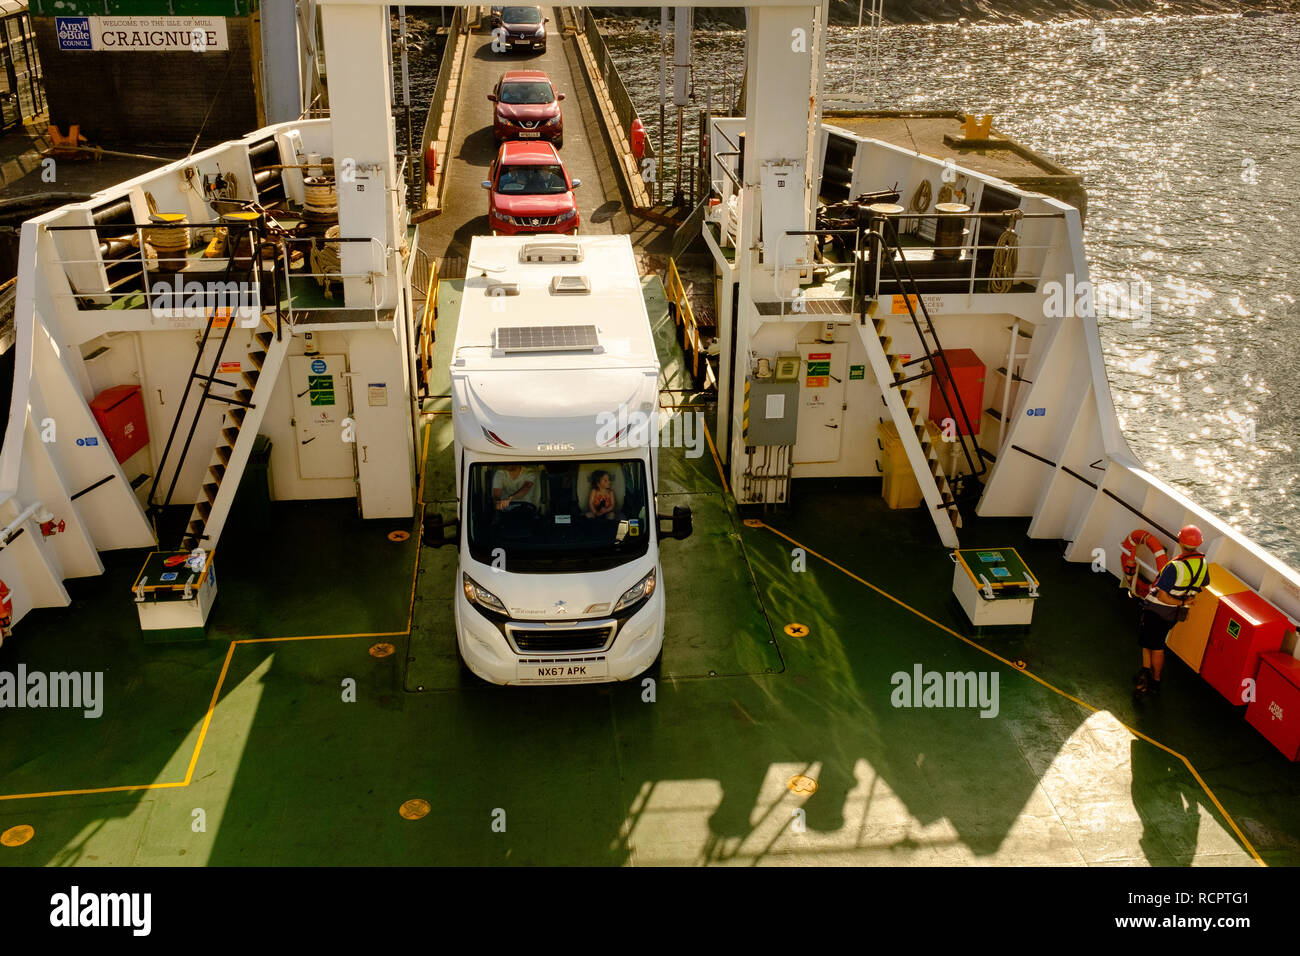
[[322, 409], [821, 402]]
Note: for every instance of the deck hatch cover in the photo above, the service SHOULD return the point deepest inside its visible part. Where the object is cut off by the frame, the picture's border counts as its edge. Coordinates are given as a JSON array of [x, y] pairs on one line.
[[547, 338], [551, 252], [570, 285]]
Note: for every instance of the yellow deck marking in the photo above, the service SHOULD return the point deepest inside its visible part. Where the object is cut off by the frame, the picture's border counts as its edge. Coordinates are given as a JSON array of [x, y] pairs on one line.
[[17, 836], [382, 650], [801, 784], [399, 535], [414, 809], [1034, 677], [796, 630]]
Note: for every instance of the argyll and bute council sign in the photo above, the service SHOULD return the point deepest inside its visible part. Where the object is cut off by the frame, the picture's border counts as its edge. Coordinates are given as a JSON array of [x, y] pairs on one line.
[[143, 34]]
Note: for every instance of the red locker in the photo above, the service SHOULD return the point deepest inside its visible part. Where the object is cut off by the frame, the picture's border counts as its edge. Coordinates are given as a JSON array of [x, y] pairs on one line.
[[120, 413], [1275, 711], [1245, 627], [968, 377]]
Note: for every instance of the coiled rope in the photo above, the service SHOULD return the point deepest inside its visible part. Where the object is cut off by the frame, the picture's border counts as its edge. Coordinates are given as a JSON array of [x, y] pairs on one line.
[[1006, 257], [921, 198], [326, 262]]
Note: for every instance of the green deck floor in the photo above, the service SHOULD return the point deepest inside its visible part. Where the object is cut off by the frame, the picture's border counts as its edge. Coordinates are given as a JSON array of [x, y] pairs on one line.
[[292, 770]]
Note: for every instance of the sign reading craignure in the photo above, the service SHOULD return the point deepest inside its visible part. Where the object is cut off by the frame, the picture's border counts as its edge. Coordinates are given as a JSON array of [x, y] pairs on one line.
[[143, 34]]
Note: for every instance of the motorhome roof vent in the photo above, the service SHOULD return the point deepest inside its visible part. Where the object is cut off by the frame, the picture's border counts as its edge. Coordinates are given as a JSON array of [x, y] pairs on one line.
[[550, 252], [570, 285], [547, 338]]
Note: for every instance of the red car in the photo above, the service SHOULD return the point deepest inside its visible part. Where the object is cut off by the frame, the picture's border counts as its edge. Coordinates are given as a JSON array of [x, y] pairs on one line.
[[530, 191], [527, 107]]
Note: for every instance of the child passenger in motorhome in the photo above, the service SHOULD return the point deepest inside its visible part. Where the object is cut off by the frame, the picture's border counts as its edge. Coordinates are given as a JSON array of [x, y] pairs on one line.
[[600, 503]]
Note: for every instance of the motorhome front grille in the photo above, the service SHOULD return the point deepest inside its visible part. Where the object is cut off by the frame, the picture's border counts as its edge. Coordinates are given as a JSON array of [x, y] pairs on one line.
[[549, 639], [546, 338]]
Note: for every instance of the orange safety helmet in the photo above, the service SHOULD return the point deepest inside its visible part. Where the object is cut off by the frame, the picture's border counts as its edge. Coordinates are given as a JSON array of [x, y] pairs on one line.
[[1190, 536]]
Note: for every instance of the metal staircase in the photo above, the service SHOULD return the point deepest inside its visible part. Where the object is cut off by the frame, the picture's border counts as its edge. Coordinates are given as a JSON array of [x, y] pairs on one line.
[[891, 374], [920, 452], [238, 432]]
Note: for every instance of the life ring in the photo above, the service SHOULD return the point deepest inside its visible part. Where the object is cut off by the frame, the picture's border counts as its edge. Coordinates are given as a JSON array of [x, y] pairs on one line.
[[638, 138], [1140, 537]]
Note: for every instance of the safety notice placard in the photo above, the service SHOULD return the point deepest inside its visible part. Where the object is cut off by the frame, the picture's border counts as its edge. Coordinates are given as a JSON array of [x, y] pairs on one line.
[[321, 388], [818, 373]]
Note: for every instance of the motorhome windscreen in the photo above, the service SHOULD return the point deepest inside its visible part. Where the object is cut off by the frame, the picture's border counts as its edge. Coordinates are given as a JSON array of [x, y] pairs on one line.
[[562, 516]]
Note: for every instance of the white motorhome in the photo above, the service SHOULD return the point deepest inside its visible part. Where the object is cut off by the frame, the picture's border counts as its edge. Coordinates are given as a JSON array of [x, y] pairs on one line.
[[555, 397]]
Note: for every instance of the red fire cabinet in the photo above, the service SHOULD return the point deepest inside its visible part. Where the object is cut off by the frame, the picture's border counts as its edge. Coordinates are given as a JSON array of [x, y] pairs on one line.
[[1275, 711], [968, 376], [1245, 626], [120, 413]]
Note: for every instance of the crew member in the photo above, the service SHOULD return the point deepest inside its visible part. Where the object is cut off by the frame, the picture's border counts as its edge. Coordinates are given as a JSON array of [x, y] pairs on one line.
[[1181, 580]]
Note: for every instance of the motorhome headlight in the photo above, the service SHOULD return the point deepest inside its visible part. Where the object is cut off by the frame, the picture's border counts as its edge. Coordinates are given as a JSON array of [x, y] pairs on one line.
[[642, 589], [477, 595]]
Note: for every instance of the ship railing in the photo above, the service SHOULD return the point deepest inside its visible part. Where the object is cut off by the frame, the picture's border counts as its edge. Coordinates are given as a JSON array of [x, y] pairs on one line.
[[979, 256], [619, 97], [976, 273], [218, 283], [802, 302], [679, 305], [297, 308], [138, 281]]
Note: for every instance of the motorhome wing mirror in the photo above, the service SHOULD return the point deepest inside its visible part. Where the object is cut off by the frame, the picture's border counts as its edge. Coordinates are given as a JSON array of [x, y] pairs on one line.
[[680, 523], [436, 529]]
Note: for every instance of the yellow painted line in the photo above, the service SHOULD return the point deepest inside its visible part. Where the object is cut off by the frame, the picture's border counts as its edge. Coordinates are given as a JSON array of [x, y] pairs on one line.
[[207, 718], [716, 460], [92, 790], [755, 523], [316, 637]]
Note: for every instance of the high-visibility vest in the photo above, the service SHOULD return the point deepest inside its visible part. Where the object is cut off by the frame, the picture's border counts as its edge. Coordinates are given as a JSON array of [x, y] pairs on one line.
[[1191, 570]]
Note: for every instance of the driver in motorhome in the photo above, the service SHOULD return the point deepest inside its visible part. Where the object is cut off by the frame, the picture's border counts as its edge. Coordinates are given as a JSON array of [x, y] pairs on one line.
[[514, 485]]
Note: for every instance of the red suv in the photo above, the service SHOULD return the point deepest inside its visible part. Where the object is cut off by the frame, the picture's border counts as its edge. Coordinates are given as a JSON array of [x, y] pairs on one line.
[[527, 107], [530, 191]]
